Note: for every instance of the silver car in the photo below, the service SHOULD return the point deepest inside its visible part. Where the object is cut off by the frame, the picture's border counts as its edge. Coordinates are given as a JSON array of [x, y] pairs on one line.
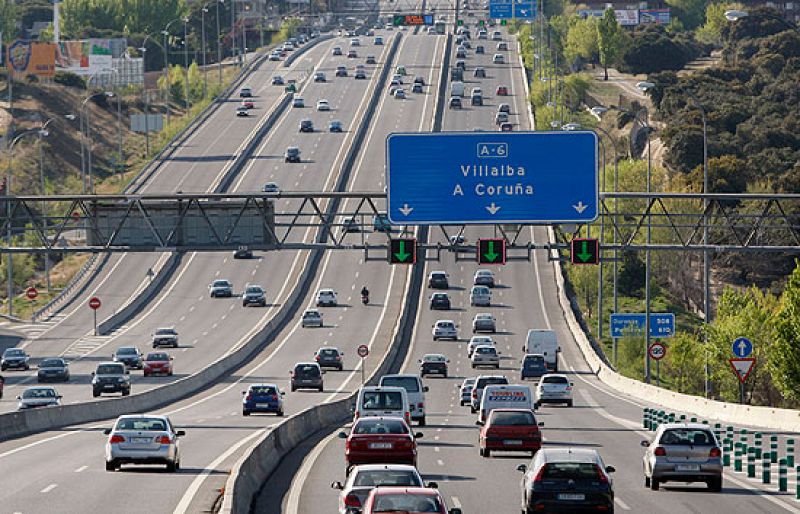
[[465, 390], [311, 318], [683, 452], [485, 355], [554, 388], [480, 296], [219, 288], [254, 294], [39, 396], [445, 329], [484, 322], [143, 439], [366, 477]]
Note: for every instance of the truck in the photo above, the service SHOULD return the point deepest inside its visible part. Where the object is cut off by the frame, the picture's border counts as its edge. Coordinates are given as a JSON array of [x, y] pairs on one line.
[[457, 89], [543, 342]]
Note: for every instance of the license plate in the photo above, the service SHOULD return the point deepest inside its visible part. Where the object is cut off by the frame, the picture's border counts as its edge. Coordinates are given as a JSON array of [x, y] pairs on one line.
[[262, 405], [380, 446], [140, 440], [109, 386], [687, 467], [512, 442], [572, 497]]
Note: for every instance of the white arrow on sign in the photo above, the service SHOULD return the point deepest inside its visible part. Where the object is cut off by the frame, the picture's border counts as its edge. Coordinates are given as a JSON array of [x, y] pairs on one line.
[[405, 209], [493, 208], [580, 207]]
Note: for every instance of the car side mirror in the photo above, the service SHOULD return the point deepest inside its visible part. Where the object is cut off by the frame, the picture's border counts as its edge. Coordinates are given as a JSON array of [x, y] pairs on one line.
[[19, 397], [180, 433], [522, 468], [432, 485], [92, 373], [644, 444], [499, 353], [454, 510], [610, 469], [420, 360], [323, 371], [127, 372], [558, 349], [107, 431], [337, 485], [425, 389], [419, 435], [283, 393], [59, 396], [342, 435], [479, 422], [244, 392]]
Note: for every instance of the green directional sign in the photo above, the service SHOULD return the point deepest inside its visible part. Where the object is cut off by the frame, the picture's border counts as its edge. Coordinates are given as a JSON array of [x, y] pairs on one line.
[[585, 251], [491, 251], [403, 251]]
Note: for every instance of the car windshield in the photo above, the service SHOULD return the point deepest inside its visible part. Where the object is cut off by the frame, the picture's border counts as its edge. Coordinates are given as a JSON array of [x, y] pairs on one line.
[[39, 393], [52, 363], [483, 382], [485, 349], [166, 332], [110, 369], [311, 314], [157, 356], [434, 358], [686, 437], [555, 380], [254, 289], [534, 361], [380, 400], [410, 384], [380, 426], [406, 503], [484, 317], [570, 471], [14, 352], [507, 418], [220, 283], [480, 290], [445, 325], [329, 352], [127, 350], [387, 477], [144, 424], [307, 370], [263, 390]]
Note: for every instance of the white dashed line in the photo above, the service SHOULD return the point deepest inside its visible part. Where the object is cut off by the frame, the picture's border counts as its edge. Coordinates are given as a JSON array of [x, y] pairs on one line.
[[49, 488], [82, 468]]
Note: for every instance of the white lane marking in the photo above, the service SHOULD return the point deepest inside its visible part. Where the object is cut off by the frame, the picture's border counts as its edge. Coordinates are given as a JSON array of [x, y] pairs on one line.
[[456, 502], [183, 505], [293, 501], [436, 449], [49, 488], [622, 504], [81, 469], [440, 462]]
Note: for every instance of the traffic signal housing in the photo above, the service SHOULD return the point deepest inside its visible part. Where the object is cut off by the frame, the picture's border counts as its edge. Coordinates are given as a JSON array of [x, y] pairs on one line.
[[491, 251], [585, 251], [403, 251]]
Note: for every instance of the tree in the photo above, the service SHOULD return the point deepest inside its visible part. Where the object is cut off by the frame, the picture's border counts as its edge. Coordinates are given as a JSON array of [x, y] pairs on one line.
[[608, 41], [631, 274], [690, 12], [786, 369], [711, 32], [8, 19], [582, 40]]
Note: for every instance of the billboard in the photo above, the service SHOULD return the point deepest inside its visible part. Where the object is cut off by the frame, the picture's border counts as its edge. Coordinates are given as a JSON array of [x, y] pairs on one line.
[[85, 57], [31, 58], [626, 18], [659, 16]]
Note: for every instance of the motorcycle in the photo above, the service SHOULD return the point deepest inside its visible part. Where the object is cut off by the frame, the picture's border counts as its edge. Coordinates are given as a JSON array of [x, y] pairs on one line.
[[365, 299]]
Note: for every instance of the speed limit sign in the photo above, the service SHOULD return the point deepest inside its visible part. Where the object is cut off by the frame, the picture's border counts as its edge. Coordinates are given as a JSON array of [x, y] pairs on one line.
[[363, 351], [657, 351]]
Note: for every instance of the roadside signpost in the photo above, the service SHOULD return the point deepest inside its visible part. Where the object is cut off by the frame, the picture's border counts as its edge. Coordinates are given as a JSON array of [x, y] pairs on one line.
[[657, 351], [662, 324], [94, 304], [492, 177], [363, 351], [742, 364], [31, 293], [512, 9], [742, 347]]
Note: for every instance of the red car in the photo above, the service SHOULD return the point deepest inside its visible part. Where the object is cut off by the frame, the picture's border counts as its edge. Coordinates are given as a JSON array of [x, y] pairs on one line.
[[408, 500], [502, 91], [158, 363], [510, 430], [379, 440], [248, 104]]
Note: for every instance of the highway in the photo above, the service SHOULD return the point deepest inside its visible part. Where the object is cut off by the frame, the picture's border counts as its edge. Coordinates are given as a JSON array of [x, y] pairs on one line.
[[216, 431], [526, 297]]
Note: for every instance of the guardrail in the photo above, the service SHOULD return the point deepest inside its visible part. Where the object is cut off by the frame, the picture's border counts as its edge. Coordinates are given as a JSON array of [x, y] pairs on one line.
[[263, 457], [18, 424]]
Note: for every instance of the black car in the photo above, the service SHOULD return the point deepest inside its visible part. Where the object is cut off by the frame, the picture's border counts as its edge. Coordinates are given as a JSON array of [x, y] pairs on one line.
[[243, 253], [306, 125], [440, 301], [130, 356], [438, 280], [55, 369], [292, 154], [329, 357], [433, 365], [14, 358], [533, 366], [306, 375], [111, 377]]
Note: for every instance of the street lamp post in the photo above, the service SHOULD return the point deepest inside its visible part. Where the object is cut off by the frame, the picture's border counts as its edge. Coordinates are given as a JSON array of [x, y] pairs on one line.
[[219, 47], [86, 134], [203, 12], [646, 124], [165, 33], [42, 133], [186, 64]]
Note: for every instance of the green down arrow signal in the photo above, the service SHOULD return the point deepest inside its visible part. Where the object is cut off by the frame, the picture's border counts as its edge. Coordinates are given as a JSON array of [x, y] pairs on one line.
[[491, 255], [402, 255], [584, 255]]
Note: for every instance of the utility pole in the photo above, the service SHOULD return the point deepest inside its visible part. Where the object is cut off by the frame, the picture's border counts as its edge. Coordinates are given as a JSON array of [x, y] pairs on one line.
[[219, 47], [186, 64]]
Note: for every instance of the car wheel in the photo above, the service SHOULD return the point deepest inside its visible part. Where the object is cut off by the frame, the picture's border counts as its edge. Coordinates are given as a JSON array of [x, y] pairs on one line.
[[111, 466], [171, 467], [126, 393], [715, 484], [27, 368], [654, 484], [434, 338], [3, 367], [487, 453], [294, 389], [245, 413], [646, 481], [472, 410], [279, 413], [319, 389], [422, 421], [95, 394], [445, 375], [569, 403]]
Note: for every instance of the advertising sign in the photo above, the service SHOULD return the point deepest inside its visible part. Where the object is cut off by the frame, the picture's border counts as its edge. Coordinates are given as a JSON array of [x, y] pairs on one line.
[[85, 57], [659, 16], [627, 18], [32, 58]]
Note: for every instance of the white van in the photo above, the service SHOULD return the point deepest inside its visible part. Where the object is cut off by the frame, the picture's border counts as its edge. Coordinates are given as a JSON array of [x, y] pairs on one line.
[[543, 342], [505, 397], [414, 390], [382, 401], [457, 89]]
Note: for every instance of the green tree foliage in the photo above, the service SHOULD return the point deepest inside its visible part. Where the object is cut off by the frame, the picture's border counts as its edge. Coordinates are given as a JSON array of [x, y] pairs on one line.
[[711, 32], [576, 85], [195, 82], [8, 20], [608, 40], [673, 51], [582, 39], [30, 11], [137, 16], [176, 87], [683, 366], [690, 12], [631, 274], [786, 369]]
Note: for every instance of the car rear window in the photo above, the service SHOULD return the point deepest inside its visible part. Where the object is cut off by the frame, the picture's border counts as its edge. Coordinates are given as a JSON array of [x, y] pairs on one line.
[[108, 369], [166, 332], [52, 363], [410, 384], [39, 393], [380, 400], [483, 349], [686, 437], [153, 424], [512, 418], [14, 353], [555, 380], [380, 426], [570, 471], [263, 390], [483, 382], [406, 503], [386, 478], [329, 352], [157, 357], [126, 351], [307, 370]]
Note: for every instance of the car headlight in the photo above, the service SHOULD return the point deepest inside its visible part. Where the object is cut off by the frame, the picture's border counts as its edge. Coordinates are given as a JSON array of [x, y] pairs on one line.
[[121, 379]]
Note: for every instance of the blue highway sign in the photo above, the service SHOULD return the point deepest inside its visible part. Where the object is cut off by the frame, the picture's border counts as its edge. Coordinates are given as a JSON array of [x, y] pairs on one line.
[[522, 9], [492, 177], [742, 347], [662, 324]]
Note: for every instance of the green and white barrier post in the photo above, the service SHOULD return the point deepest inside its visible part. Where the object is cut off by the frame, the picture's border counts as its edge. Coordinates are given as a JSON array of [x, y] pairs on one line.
[[766, 467], [737, 458], [790, 453], [773, 448], [783, 476], [757, 444], [751, 462]]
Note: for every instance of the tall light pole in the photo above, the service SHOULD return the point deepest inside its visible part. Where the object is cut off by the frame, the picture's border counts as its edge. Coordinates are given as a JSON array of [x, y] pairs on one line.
[[203, 12], [219, 47], [165, 33], [42, 133], [186, 64], [86, 131]]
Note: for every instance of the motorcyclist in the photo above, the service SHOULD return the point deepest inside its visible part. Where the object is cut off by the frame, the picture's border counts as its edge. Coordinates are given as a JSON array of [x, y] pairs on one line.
[[364, 292]]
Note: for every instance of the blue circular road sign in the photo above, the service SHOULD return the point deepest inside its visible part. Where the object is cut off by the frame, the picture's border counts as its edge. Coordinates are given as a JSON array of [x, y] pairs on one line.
[[742, 347]]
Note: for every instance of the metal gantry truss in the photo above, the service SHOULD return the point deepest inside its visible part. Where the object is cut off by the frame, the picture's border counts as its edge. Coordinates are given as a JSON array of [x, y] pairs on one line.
[[354, 221]]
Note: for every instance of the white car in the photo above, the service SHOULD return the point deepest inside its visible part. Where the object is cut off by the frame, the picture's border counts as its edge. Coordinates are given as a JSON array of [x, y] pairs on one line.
[[498, 59], [554, 388], [298, 101], [445, 329], [143, 439], [323, 105], [366, 477], [484, 322], [355, 42], [478, 341], [38, 396], [326, 298], [311, 318], [485, 355], [483, 277], [480, 296]]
